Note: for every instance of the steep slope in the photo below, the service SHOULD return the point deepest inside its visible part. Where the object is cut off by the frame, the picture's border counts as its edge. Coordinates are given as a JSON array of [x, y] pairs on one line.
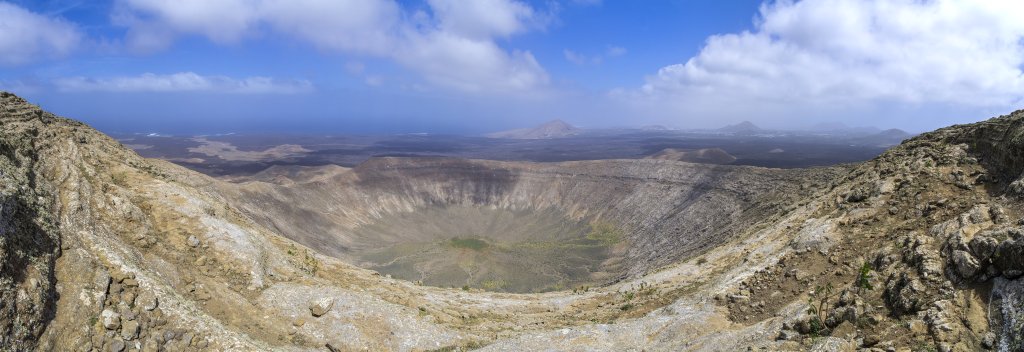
[[29, 243], [919, 248]]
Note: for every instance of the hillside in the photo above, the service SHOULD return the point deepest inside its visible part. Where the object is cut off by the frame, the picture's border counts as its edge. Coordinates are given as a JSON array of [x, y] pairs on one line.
[[550, 129], [920, 248], [705, 155]]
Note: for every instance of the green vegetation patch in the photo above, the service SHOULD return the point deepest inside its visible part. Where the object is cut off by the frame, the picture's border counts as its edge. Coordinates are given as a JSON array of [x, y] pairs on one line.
[[605, 233], [475, 244]]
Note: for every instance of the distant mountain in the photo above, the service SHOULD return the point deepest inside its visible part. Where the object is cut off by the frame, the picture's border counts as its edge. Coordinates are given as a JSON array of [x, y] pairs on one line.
[[885, 138], [745, 127], [894, 132], [654, 128], [550, 129]]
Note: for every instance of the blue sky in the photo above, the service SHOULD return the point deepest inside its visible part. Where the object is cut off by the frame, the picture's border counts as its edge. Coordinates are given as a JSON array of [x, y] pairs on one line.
[[470, 66]]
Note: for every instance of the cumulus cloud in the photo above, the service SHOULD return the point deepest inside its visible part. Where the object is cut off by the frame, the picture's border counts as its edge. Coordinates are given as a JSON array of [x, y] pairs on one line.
[[453, 44], [26, 36], [183, 82], [825, 55], [482, 18]]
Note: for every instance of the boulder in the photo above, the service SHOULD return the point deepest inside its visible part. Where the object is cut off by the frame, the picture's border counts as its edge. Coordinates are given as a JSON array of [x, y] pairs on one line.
[[966, 265], [1009, 258], [903, 294], [321, 306], [983, 247]]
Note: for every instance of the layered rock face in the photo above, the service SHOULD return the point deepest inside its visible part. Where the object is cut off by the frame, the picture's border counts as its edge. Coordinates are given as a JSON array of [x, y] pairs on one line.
[[29, 242], [103, 250]]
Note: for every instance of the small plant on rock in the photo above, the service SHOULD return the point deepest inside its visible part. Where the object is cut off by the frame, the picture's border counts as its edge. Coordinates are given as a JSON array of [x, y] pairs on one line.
[[864, 278], [818, 307]]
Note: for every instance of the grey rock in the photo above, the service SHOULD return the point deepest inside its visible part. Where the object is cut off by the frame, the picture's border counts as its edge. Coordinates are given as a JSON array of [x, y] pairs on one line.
[[966, 265], [111, 319], [129, 330], [321, 306], [903, 294], [788, 335], [193, 241], [983, 247], [833, 344], [117, 346], [151, 346], [1009, 257], [147, 300]]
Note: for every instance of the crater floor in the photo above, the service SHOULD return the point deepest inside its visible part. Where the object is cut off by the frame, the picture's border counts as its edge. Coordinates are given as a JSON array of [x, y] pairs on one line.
[[491, 248]]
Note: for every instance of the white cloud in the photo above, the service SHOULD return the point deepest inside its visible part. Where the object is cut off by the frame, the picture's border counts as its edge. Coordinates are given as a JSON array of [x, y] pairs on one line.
[[482, 18], [26, 36], [152, 21], [358, 26], [582, 59], [831, 55], [616, 51], [183, 82], [453, 45]]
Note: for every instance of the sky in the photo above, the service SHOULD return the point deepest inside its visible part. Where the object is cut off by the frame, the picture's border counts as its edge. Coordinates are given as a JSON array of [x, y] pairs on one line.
[[474, 66]]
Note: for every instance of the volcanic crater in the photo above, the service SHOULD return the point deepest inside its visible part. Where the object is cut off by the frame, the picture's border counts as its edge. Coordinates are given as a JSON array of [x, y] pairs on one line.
[[514, 226]]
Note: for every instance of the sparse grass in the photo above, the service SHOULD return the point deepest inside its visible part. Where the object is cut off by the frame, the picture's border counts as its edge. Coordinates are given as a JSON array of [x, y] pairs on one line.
[[119, 178], [475, 244], [493, 285], [604, 233], [310, 264]]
